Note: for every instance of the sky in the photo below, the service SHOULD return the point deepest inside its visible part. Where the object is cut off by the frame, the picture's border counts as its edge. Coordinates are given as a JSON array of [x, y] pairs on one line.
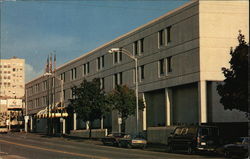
[[33, 29]]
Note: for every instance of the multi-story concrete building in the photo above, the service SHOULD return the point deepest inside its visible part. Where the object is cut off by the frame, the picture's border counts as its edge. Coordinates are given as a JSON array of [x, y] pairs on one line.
[[11, 88], [180, 56], [12, 77]]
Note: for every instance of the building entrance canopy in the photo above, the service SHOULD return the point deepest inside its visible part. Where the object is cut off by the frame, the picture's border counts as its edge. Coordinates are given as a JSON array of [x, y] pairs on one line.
[[55, 112]]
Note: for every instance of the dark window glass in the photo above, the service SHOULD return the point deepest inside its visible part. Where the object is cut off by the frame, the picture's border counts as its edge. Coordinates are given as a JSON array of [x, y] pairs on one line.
[[161, 65], [136, 47], [142, 72], [116, 79], [120, 78], [88, 67], [169, 61], [142, 45], [115, 57], [169, 34], [120, 54], [98, 63], [103, 61], [84, 69], [161, 36]]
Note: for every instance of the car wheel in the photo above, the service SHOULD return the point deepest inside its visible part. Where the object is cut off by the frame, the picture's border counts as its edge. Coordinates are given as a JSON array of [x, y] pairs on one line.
[[119, 144], [226, 154], [115, 144], [190, 150], [170, 148], [129, 146], [143, 147]]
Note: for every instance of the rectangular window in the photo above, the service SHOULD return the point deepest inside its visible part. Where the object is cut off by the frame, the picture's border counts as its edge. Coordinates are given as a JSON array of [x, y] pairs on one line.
[[102, 61], [120, 78], [169, 64], [88, 68], [142, 73], [63, 77], [161, 37], [141, 45], [136, 48], [115, 80], [98, 63], [168, 34], [161, 67], [115, 57], [120, 55], [84, 69]]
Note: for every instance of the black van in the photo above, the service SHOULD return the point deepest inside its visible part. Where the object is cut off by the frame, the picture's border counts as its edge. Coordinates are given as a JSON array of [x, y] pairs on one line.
[[194, 138]]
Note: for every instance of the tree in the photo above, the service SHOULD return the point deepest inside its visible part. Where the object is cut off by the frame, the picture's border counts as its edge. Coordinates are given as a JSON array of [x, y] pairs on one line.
[[123, 100], [90, 102], [233, 90]]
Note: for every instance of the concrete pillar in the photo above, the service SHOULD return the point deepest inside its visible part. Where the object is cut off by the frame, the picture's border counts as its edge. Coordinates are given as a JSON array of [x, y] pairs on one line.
[[168, 99], [87, 125], [75, 122], [64, 126], [144, 114], [31, 124], [202, 99], [26, 120], [101, 123]]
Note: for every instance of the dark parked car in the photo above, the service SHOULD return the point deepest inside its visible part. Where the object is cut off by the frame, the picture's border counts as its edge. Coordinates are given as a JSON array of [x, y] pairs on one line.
[[239, 148], [131, 141], [194, 138], [112, 139]]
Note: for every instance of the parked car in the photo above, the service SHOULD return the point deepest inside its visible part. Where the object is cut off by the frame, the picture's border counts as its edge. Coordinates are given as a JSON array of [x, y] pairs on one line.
[[238, 148], [131, 141], [194, 138], [3, 130], [112, 139]]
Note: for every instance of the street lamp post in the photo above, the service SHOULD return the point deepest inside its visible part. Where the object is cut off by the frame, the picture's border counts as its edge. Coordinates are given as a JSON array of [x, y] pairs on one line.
[[113, 50]]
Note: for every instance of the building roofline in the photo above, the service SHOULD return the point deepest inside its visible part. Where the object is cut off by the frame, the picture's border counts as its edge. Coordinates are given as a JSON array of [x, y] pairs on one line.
[[122, 36]]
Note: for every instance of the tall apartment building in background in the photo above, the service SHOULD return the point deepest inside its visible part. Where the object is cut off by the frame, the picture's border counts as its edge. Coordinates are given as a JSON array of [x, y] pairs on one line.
[[12, 79]]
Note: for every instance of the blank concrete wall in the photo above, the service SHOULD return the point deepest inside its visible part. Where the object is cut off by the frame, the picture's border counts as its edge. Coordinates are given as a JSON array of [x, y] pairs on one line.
[[185, 104], [156, 109], [41, 125], [216, 111]]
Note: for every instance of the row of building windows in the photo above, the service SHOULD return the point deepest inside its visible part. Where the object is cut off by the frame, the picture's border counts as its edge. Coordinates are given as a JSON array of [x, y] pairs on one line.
[[164, 68], [164, 65], [164, 37], [4, 66], [4, 77]]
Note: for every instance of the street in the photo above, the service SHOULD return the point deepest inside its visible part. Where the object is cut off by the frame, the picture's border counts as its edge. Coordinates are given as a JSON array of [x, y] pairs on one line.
[[35, 146]]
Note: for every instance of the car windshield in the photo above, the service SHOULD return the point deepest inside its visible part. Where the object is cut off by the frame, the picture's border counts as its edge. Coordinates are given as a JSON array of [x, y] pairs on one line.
[[246, 140], [209, 131], [178, 131], [191, 131], [239, 140]]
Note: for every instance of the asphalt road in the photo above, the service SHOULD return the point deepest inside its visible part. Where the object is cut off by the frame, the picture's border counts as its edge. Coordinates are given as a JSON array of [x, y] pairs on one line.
[[35, 146]]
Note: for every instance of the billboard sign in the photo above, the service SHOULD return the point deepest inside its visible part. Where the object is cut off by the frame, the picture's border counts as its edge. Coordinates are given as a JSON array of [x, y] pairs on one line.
[[14, 104]]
